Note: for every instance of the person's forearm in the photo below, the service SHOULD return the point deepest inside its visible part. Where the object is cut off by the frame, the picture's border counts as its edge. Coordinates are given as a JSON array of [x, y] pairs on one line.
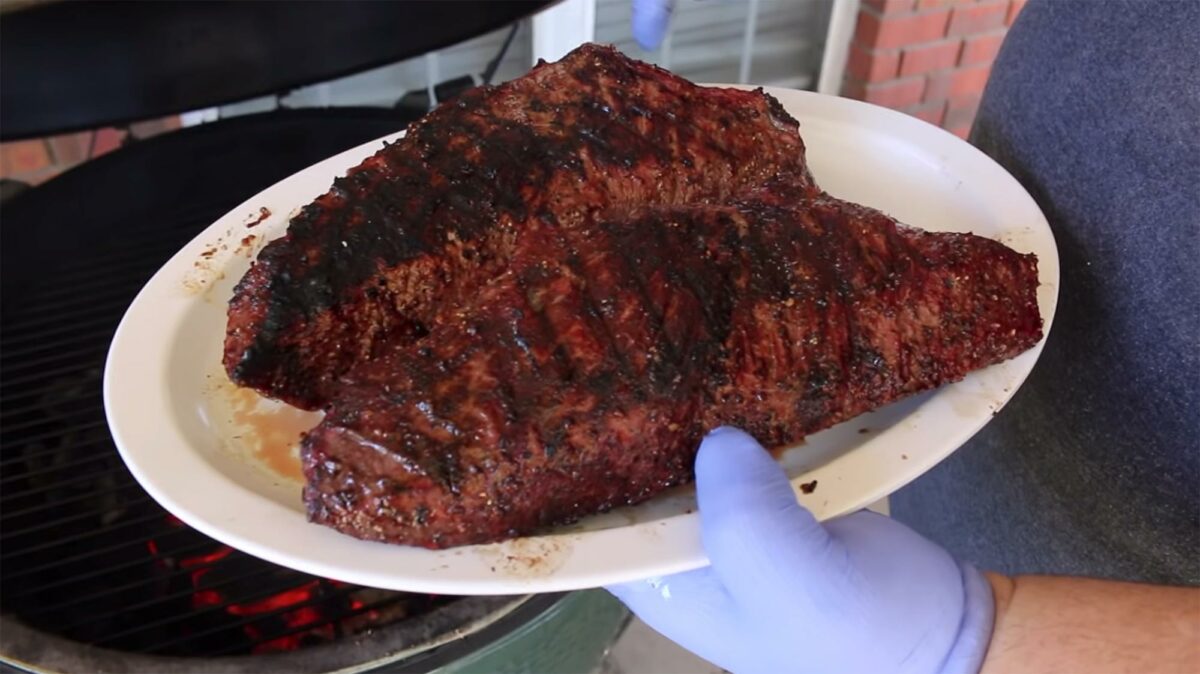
[[1058, 624]]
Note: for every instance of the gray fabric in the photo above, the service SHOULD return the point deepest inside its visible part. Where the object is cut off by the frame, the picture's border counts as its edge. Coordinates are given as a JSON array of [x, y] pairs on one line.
[[1094, 467]]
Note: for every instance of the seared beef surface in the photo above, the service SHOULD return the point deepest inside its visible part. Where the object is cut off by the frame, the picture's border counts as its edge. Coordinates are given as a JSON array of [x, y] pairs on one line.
[[531, 308], [583, 376], [429, 218]]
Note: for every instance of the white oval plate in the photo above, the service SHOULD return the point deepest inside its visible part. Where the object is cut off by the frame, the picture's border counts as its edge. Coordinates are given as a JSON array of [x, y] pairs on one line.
[[224, 460]]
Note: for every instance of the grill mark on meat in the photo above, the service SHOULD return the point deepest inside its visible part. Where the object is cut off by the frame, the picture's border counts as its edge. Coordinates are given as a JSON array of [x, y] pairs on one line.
[[517, 339], [801, 331], [623, 305], [596, 317], [773, 288], [715, 321], [782, 365], [606, 123], [804, 352], [545, 337], [684, 233], [841, 304], [652, 260], [808, 300], [660, 351]]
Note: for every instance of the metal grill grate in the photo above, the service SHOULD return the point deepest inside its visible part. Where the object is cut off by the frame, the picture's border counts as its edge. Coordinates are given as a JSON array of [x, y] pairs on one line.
[[84, 552]]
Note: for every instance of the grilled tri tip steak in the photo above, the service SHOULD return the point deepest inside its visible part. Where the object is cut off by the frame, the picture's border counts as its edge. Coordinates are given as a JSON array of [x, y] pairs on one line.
[[531, 307], [429, 218], [584, 375]]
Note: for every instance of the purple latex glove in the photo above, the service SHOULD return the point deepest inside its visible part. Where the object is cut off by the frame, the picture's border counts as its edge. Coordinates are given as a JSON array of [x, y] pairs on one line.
[[786, 593], [650, 20]]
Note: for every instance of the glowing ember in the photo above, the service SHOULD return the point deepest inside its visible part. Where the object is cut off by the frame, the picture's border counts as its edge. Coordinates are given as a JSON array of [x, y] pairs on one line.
[[216, 556], [314, 611], [297, 595]]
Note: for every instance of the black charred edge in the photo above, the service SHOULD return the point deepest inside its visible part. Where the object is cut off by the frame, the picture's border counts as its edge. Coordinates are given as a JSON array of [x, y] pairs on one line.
[[777, 109]]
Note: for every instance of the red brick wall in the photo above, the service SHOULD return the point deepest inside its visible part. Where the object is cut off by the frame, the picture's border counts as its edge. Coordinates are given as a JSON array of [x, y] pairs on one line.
[[37, 160], [929, 58]]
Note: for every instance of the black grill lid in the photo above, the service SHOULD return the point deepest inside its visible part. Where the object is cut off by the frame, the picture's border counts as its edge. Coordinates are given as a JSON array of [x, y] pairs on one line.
[[70, 65]]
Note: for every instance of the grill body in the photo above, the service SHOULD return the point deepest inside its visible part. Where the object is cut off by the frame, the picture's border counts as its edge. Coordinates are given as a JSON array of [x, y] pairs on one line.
[[94, 575]]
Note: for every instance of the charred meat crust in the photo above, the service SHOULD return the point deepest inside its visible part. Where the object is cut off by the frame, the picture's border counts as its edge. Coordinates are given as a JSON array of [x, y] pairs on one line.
[[583, 377], [435, 213], [531, 307]]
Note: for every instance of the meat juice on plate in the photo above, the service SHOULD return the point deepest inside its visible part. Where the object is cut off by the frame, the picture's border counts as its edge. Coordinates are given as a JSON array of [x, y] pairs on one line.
[[265, 432]]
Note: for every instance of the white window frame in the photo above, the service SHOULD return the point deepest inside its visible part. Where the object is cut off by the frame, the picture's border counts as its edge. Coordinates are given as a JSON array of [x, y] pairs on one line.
[[568, 24], [563, 27]]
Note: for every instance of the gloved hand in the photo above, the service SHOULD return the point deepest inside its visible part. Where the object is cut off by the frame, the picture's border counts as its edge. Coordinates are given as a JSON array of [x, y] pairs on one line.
[[786, 593], [650, 19]]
